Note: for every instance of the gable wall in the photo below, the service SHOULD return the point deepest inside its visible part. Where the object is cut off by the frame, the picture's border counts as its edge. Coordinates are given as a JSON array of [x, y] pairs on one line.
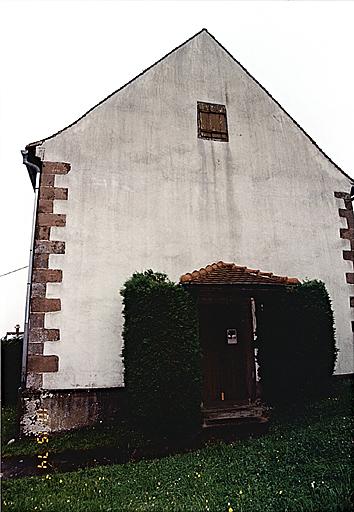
[[145, 192]]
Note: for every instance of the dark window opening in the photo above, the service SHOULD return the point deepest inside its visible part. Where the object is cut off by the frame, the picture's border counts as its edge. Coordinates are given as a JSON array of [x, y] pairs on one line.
[[212, 122]]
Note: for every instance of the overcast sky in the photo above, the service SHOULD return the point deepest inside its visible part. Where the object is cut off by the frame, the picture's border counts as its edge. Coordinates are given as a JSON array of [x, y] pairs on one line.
[[59, 58]]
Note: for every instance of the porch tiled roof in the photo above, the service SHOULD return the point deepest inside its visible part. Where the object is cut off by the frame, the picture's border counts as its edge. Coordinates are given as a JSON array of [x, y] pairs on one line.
[[230, 273]]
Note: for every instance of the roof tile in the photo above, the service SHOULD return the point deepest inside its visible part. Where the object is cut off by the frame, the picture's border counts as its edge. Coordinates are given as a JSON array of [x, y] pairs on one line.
[[230, 273]]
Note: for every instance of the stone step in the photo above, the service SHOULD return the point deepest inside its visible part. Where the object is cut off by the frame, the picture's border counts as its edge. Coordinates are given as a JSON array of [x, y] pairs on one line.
[[234, 422], [227, 406], [235, 414], [238, 413]]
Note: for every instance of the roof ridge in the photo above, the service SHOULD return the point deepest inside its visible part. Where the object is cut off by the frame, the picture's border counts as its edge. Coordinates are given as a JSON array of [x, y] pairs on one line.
[[282, 108], [38, 142], [235, 60]]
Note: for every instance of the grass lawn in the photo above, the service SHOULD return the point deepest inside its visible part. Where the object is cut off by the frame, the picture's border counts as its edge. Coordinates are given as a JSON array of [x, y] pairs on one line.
[[93, 437], [302, 464]]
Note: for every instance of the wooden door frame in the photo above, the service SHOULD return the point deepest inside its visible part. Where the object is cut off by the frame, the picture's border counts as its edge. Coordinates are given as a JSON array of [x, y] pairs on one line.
[[226, 293], [207, 297]]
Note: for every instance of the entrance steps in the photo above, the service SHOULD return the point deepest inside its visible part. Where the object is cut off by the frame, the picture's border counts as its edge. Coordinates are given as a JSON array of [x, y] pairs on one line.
[[235, 414]]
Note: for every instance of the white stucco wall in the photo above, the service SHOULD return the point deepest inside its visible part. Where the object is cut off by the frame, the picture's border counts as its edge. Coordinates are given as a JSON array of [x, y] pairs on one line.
[[145, 192]]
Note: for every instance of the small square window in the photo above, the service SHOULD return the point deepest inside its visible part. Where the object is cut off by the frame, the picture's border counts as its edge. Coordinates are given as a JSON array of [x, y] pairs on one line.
[[212, 122]]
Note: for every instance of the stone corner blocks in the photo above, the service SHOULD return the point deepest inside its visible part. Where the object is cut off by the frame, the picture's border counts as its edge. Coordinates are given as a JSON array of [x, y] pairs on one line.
[[347, 234], [40, 304]]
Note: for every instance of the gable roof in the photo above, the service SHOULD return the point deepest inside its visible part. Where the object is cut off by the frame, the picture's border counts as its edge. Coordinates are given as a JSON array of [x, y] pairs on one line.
[[230, 273], [163, 58]]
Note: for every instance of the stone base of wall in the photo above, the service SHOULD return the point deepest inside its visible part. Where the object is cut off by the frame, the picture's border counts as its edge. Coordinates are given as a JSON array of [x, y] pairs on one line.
[[63, 410], [344, 377]]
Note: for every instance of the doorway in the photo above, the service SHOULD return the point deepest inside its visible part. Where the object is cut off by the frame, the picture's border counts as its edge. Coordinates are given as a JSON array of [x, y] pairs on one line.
[[226, 335]]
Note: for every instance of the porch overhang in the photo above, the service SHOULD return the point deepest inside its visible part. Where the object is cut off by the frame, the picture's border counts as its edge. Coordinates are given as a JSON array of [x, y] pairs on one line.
[[220, 274]]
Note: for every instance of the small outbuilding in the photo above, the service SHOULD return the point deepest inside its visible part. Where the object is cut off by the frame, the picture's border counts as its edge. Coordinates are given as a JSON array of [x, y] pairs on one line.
[[192, 161]]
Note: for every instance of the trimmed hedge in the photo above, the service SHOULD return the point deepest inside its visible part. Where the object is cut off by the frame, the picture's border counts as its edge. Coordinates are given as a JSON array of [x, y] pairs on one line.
[[161, 355], [11, 364], [296, 343]]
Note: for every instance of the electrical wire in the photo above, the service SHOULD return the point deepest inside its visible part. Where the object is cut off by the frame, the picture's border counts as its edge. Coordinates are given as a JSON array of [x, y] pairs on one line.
[[12, 271]]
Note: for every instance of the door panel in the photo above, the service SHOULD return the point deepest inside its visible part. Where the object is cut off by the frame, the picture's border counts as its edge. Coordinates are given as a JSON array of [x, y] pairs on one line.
[[225, 365]]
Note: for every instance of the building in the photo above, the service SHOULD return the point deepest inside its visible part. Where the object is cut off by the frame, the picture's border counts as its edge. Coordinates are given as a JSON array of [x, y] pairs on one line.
[[190, 163]]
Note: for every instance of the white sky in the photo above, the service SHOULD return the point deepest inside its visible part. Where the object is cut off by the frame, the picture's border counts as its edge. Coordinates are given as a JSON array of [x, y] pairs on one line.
[[59, 58]]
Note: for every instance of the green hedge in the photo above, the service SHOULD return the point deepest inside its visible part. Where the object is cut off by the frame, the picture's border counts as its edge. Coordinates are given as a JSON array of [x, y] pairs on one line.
[[161, 355], [296, 343], [11, 364]]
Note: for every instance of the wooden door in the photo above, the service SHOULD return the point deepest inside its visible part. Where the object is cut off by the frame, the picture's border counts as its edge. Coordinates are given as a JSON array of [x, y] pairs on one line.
[[227, 366]]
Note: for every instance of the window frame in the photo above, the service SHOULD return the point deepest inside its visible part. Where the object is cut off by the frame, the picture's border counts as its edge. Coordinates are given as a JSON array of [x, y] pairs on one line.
[[212, 109]]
